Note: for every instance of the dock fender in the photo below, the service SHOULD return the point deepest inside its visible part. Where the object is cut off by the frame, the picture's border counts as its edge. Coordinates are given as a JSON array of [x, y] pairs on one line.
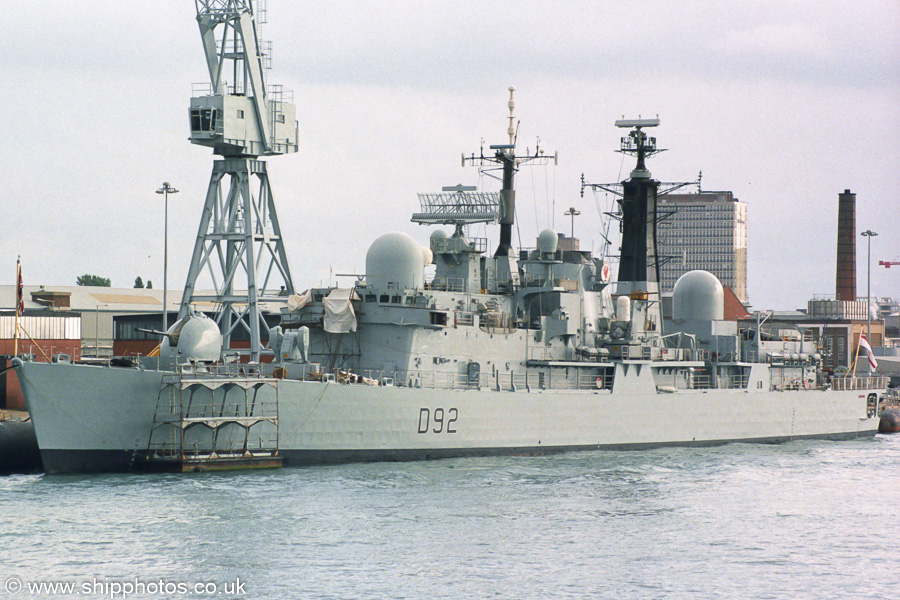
[[889, 421]]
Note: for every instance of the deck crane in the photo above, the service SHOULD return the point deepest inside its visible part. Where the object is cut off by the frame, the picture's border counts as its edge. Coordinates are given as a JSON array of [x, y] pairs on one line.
[[239, 245]]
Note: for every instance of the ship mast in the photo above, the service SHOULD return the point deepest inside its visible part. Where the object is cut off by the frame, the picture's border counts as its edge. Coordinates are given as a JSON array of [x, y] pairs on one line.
[[505, 156], [239, 244], [639, 261]]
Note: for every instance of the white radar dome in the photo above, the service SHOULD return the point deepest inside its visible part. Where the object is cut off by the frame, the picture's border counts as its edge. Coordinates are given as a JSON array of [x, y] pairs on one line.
[[548, 241], [427, 255], [438, 234], [698, 296], [396, 261], [195, 337]]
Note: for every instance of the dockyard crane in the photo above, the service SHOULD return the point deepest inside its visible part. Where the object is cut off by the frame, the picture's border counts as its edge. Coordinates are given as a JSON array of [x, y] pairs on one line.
[[239, 244]]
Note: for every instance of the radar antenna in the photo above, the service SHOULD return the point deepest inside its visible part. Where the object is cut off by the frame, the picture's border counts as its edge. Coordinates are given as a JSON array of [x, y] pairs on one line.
[[458, 205], [239, 243], [638, 144]]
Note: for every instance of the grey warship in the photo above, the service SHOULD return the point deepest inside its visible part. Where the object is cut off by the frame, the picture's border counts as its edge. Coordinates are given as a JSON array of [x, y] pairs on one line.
[[518, 351]]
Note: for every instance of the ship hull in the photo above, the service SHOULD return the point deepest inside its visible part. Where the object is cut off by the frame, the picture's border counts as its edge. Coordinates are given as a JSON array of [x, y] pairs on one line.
[[90, 419]]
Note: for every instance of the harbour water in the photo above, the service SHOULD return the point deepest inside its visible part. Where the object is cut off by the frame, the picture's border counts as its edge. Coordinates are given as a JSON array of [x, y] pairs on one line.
[[808, 519]]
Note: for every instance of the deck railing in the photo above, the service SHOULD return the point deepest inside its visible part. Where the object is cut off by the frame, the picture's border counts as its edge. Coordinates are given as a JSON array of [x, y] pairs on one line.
[[859, 383]]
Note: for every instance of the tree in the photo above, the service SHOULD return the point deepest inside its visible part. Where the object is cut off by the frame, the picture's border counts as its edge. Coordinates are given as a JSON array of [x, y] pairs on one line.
[[94, 280], [149, 285], [138, 283]]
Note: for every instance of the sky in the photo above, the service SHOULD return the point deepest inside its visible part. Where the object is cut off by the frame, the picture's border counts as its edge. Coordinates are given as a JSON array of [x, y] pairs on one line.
[[784, 104]]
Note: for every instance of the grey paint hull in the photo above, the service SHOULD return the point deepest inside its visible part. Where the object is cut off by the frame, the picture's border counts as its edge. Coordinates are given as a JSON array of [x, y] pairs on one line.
[[100, 419]]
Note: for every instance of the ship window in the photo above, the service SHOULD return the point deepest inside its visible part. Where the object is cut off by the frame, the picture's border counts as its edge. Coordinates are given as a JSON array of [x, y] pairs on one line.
[[240, 114], [395, 299], [439, 318], [409, 300], [383, 299], [370, 297], [281, 118]]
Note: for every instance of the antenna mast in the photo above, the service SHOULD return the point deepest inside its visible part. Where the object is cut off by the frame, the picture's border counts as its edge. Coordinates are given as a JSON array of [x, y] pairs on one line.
[[505, 156], [239, 243], [639, 261]]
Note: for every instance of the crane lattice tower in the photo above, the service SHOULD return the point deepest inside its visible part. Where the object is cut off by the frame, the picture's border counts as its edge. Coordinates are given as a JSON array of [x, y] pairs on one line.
[[239, 243]]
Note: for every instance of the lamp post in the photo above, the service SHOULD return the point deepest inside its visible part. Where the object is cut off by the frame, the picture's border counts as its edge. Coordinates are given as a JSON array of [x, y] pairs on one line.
[[166, 189], [869, 234], [97, 330], [572, 213]]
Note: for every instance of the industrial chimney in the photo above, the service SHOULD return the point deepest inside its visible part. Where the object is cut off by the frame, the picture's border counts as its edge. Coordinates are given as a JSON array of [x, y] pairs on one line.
[[846, 247]]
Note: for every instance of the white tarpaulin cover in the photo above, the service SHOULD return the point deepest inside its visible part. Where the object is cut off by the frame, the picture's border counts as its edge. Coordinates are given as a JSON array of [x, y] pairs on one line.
[[296, 302], [339, 315]]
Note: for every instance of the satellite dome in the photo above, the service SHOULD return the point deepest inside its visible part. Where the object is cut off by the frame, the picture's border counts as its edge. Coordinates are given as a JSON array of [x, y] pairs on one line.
[[438, 234], [195, 338], [395, 260], [548, 241], [698, 296], [427, 255]]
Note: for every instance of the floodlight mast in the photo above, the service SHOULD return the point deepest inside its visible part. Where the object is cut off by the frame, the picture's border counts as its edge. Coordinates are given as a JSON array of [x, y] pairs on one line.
[[239, 243]]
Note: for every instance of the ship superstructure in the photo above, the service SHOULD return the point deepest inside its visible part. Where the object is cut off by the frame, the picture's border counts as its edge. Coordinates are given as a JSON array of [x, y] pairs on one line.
[[557, 322]]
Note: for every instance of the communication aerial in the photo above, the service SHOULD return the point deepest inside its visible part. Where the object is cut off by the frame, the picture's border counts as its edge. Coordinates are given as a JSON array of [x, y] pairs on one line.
[[239, 243]]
